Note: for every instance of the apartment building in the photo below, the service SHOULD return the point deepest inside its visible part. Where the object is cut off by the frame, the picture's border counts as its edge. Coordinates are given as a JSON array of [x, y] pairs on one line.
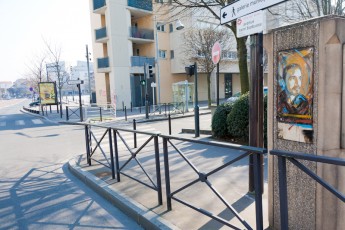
[[129, 33]]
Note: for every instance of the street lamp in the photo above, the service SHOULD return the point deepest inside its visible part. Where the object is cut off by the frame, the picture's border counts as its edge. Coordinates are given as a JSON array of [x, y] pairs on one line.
[[178, 26]]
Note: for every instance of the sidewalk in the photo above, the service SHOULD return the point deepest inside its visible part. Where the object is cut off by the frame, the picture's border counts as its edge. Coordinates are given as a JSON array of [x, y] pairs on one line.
[[141, 203]]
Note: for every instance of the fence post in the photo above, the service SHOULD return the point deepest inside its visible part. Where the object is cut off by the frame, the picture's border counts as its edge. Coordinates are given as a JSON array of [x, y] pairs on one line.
[[111, 154], [284, 224], [100, 114], [67, 116], [258, 190], [158, 171], [87, 142], [169, 121], [116, 157], [167, 173], [123, 106], [125, 113], [135, 134]]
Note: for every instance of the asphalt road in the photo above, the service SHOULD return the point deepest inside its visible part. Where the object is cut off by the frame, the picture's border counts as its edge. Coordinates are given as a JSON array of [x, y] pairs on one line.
[[36, 189]]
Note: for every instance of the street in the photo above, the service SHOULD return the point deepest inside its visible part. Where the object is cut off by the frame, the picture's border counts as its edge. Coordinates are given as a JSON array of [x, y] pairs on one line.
[[37, 191]]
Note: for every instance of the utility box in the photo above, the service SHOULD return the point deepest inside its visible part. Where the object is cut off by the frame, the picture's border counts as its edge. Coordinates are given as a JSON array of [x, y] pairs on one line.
[[306, 113]]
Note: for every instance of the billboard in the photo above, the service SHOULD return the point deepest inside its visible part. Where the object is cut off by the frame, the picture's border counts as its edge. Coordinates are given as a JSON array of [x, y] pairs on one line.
[[47, 93]]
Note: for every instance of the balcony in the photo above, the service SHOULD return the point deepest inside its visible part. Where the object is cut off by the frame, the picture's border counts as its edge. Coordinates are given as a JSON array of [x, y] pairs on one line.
[[141, 4], [99, 6], [141, 60], [138, 62], [141, 36], [101, 35], [103, 65]]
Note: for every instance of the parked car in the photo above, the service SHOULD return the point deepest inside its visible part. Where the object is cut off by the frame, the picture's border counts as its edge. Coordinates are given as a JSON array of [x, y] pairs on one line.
[[234, 97]]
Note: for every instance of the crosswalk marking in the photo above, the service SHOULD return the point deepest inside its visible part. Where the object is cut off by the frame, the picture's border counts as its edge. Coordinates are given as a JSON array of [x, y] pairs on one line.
[[37, 121], [2, 123], [20, 122]]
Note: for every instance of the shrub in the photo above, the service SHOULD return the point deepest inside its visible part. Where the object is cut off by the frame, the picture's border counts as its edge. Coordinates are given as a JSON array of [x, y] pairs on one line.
[[238, 119], [218, 125]]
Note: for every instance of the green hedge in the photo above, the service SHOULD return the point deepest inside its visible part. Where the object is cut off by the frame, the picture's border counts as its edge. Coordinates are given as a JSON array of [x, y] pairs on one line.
[[219, 128], [238, 119]]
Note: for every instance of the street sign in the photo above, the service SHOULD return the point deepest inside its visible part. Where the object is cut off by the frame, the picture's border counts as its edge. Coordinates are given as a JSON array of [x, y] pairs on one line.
[[153, 84], [216, 53], [75, 82], [244, 7], [250, 24]]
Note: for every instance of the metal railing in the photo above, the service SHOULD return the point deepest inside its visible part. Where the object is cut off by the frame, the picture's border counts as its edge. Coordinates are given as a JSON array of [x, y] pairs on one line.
[[293, 157], [141, 4], [101, 33], [136, 32], [203, 177], [72, 111], [98, 4], [103, 62], [141, 60]]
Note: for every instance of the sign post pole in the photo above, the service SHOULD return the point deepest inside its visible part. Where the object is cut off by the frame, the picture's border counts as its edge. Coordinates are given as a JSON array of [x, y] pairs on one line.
[[216, 54]]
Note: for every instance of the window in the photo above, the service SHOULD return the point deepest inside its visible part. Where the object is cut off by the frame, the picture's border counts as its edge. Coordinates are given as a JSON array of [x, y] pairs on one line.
[[171, 27], [160, 27], [172, 54], [162, 53], [229, 55]]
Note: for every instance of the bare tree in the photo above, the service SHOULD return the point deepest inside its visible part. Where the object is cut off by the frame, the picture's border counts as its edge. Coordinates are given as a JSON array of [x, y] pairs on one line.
[[198, 43], [299, 10], [54, 54], [209, 9]]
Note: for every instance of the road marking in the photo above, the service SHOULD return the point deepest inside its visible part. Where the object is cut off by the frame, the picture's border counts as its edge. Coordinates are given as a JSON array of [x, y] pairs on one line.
[[20, 122], [2, 123], [37, 121]]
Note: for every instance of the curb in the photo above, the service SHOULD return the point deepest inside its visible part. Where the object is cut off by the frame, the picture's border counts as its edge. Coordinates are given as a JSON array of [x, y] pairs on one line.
[[145, 218]]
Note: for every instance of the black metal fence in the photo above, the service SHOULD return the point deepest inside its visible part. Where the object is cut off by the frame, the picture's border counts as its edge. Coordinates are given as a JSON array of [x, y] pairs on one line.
[[294, 158], [203, 177]]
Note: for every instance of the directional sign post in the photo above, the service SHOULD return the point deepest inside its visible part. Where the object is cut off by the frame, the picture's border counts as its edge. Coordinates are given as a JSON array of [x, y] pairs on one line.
[[75, 82], [244, 7], [216, 54]]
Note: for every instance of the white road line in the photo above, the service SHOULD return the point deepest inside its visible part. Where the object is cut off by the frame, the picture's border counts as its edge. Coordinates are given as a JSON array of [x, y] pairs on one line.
[[2, 123], [20, 122], [37, 121]]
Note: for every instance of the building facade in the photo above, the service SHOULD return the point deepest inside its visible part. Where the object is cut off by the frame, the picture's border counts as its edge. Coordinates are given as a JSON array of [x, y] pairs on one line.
[[127, 34]]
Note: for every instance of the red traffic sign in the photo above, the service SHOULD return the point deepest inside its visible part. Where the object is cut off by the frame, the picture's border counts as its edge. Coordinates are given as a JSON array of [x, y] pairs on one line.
[[216, 52]]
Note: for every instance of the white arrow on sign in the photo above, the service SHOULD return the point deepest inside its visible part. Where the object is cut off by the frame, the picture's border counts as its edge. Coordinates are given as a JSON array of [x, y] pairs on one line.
[[75, 82], [244, 7]]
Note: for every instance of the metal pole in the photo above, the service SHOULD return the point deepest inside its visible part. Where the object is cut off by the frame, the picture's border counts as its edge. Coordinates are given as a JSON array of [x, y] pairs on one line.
[[88, 72], [135, 134], [218, 84], [125, 113], [196, 108], [80, 105], [146, 95], [158, 171], [157, 64], [169, 120], [256, 104], [167, 173]]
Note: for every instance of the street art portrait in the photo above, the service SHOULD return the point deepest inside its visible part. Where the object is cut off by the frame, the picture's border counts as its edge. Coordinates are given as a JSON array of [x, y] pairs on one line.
[[295, 95]]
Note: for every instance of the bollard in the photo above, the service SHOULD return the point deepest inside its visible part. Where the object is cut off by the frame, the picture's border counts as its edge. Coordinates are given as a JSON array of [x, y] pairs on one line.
[[131, 107], [169, 120], [50, 108], [100, 114], [135, 134], [67, 117], [123, 106], [125, 113]]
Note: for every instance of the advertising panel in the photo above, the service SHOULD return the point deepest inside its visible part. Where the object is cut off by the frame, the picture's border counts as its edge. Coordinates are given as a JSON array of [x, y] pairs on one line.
[[47, 93]]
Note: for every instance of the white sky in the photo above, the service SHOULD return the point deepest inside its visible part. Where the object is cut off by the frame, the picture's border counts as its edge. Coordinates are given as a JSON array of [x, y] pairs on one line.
[[24, 24]]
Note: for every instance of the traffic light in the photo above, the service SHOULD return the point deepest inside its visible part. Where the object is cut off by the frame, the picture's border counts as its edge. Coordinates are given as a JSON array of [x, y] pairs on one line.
[[190, 70], [142, 82], [150, 71]]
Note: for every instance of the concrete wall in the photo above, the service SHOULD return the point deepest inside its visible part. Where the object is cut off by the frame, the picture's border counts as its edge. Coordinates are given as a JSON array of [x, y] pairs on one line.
[[310, 205]]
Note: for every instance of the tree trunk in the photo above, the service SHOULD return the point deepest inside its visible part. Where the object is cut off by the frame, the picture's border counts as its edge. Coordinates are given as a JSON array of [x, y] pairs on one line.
[[242, 63], [209, 89]]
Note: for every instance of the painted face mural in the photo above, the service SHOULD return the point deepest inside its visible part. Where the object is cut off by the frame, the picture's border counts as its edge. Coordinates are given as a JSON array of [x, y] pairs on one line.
[[295, 95]]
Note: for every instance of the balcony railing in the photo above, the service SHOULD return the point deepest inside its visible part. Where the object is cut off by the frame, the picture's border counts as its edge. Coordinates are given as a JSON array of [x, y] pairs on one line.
[[141, 60], [101, 33], [136, 32], [98, 4], [103, 62], [141, 4]]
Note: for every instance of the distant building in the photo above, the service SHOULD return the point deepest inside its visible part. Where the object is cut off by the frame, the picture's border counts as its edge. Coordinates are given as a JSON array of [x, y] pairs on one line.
[[4, 86]]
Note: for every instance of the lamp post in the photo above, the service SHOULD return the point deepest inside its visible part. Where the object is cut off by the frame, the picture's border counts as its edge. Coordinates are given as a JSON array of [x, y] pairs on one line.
[[178, 26], [88, 72]]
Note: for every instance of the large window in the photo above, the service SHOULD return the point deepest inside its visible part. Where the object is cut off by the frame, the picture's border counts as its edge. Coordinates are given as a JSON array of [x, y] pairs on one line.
[[160, 27], [172, 54]]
